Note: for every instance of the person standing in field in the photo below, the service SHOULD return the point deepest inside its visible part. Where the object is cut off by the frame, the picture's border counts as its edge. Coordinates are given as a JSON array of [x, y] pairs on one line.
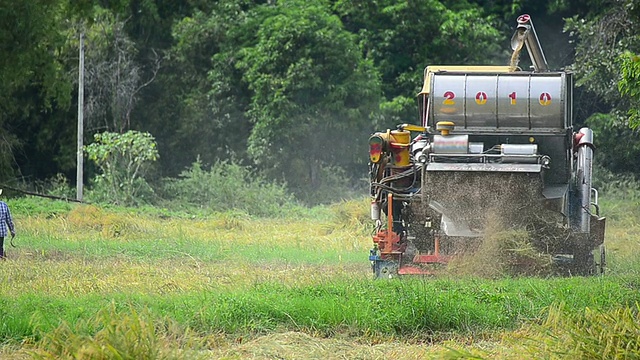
[[5, 221]]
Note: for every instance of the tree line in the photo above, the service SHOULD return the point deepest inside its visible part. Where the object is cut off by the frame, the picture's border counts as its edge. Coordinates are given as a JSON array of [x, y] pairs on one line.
[[289, 88]]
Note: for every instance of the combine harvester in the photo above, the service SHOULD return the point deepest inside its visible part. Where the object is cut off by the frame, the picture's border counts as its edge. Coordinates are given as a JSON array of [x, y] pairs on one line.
[[495, 142]]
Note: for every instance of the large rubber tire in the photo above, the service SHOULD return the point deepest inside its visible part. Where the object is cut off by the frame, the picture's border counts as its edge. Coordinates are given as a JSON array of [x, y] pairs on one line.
[[385, 270]]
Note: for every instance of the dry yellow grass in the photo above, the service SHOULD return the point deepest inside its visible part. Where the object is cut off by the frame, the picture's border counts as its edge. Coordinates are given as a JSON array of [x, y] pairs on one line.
[[52, 270], [87, 223], [61, 275], [296, 345]]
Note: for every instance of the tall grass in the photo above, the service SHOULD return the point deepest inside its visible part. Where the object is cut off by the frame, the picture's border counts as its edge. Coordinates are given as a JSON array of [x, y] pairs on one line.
[[592, 333], [567, 334], [227, 186], [90, 230], [115, 334]]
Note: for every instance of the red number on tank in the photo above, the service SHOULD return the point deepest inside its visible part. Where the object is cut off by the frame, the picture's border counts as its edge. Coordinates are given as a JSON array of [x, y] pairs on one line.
[[448, 98]]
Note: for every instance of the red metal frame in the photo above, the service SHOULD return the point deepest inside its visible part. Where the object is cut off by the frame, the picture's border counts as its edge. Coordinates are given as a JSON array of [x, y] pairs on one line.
[[388, 243]]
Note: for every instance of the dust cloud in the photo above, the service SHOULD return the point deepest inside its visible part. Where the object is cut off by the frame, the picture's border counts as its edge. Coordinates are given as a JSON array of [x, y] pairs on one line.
[[517, 234]]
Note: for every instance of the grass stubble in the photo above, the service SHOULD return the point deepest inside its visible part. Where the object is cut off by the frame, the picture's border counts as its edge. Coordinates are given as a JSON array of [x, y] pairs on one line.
[[92, 283]]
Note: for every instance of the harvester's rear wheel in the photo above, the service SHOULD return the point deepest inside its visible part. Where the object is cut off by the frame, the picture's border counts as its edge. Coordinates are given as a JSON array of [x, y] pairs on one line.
[[385, 269]]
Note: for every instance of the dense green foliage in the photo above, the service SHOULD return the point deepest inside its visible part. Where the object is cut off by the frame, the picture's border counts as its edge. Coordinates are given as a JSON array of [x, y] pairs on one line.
[[288, 88], [607, 43], [403, 37], [629, 85]]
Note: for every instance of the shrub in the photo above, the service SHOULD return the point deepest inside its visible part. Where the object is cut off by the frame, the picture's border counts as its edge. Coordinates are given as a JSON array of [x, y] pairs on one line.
[[124, 160], [227, 186], [333, 184], [101, 191], [57, 185]]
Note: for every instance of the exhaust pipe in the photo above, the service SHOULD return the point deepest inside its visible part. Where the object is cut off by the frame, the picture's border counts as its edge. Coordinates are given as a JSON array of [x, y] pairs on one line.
[[584, 167]]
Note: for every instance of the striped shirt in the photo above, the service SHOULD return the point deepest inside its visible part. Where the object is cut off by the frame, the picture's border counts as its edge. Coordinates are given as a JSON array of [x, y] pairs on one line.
[[5, 220]]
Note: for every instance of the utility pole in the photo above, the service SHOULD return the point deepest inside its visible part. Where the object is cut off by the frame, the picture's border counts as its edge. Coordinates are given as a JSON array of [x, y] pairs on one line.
[[80, 157]]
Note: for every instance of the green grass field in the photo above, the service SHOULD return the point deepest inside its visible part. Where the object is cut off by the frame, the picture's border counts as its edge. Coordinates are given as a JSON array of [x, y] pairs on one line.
[[96, 283]]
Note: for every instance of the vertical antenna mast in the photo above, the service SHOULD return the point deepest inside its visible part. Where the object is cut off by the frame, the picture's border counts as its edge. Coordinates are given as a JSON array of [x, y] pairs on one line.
[[80, 164]]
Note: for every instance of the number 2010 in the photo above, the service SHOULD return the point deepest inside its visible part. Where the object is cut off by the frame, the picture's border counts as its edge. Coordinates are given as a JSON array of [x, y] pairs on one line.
[[449, 96]]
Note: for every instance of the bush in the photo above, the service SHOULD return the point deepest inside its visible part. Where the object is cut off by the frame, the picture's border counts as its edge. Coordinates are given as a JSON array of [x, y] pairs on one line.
[[333, 185], [124, 160], [227, 186], [101, 191], [57, 185]]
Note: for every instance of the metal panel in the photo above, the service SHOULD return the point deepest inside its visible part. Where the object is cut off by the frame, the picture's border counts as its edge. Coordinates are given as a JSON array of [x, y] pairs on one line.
[[447, 99], [503, 102], [481, 102], [511, 168], [513, 101], [568, 95], [547, 103], [432, 69]]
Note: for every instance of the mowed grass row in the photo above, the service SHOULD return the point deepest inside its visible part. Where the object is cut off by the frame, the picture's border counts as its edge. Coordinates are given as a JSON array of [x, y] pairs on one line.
[[233, 277]]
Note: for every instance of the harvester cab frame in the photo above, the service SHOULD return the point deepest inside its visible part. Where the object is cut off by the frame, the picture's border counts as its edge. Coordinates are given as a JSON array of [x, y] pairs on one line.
[[496, 143]]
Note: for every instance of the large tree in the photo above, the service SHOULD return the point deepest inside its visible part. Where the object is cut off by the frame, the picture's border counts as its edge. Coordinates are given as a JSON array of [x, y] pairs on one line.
[[606, 67], [113, 76], [36, 129], [402, 37], [629, 85], [313, 93], [280, 85], [201, 99]]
